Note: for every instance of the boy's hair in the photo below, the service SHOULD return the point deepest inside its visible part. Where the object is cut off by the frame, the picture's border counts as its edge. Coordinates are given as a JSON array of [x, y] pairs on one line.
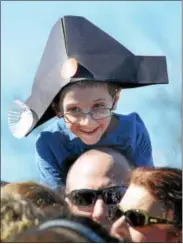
[[17, 215], [164, 184], [113, 88], [42, 196]]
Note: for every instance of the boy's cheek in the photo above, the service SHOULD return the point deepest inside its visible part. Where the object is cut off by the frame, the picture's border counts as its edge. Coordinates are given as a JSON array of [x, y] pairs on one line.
[[103, 124], [71, 126], [106, 122]]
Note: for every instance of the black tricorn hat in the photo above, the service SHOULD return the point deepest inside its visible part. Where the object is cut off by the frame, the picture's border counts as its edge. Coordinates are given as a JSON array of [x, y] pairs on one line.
[[78, 50]]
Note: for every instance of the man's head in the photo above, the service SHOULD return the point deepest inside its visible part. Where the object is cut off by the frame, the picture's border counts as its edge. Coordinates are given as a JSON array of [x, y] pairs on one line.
[[158, 194], [86, 107], [97, 169]]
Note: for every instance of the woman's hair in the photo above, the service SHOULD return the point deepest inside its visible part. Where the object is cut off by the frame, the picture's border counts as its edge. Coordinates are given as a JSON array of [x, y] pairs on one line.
[[17, 215], [40, 195], [3, 183], [67, 229], [164, 184]]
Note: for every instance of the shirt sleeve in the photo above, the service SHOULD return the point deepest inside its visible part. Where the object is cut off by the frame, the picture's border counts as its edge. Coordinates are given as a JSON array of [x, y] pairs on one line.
[[143, 150], [50, 170]]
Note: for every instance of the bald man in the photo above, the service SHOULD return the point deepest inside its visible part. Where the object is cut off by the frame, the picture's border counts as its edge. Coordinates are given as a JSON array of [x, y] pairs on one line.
[[97, 169]]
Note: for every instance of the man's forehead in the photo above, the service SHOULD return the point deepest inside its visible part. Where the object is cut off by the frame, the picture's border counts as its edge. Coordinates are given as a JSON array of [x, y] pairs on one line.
[[104, 159], [91, 183], [92, 164]]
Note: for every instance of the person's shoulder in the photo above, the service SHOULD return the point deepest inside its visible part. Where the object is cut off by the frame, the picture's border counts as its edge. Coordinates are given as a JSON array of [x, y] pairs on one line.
[[55, 129], [132, 117], [55, 125], [55, 133], [130, 124]]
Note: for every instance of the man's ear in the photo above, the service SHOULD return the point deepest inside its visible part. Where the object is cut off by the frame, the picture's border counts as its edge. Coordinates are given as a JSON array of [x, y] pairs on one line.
[[56, 109], [117, 96]]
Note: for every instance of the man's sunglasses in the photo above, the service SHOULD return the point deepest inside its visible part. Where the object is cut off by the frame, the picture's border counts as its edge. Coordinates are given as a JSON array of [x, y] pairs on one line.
[[138, 218], [87, 197]]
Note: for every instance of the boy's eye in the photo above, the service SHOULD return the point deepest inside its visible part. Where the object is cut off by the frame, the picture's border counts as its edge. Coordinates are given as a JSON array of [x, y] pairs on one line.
[[74, 110], [99, 105]]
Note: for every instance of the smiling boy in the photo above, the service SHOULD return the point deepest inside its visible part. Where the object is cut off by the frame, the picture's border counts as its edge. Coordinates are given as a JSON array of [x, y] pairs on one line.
[[87, 108], [88, 121], [79, 80]]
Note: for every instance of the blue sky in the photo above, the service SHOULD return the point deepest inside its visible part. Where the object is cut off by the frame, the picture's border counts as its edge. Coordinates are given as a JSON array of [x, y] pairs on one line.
[[144, 27]]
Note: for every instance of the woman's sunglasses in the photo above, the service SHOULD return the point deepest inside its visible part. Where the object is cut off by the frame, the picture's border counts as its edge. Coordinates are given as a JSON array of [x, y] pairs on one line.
[[87, 197], [138, 218]]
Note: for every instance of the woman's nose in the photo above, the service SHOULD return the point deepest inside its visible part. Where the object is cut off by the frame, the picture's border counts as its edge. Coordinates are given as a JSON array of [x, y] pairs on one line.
[[119, 228]]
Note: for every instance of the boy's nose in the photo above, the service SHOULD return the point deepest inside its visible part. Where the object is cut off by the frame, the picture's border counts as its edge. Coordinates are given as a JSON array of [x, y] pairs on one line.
[[87, 119]]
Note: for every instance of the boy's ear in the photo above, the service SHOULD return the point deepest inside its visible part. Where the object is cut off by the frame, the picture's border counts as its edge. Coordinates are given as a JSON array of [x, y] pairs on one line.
[[117, 96], [56, 110]]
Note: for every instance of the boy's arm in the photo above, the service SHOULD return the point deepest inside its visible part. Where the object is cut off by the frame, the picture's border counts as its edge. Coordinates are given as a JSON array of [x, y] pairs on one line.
[[49, 169], [143, 150]]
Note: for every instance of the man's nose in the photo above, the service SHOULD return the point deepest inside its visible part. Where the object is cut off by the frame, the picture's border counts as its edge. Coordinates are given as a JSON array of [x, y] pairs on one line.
[[100, 211]]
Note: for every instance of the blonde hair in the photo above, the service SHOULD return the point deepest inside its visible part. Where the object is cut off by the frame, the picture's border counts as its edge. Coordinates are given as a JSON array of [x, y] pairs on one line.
[[42, 196], [17, 215]]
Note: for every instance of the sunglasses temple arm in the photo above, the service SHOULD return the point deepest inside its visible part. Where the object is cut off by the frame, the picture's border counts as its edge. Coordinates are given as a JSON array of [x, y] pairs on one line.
[[159, 221], [165, 221]]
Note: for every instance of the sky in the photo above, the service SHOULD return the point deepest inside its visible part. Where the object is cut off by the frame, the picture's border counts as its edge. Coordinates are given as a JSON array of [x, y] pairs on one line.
[[144, 27]]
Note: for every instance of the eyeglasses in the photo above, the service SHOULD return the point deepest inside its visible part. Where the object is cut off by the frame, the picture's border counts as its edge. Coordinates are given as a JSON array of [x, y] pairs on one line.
[[87, 197], [97, 114], [139, 218]]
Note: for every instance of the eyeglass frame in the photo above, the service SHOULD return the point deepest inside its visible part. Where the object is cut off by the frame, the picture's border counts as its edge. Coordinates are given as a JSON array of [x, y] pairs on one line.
[[97, 194], [90, 113], [149, 220]]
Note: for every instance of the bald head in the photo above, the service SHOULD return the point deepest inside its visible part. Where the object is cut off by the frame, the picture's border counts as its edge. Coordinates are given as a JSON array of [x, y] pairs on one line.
[[98, 168]]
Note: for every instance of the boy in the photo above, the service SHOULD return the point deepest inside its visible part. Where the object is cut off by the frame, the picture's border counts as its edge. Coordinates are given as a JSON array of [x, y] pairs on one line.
[[79, 79]]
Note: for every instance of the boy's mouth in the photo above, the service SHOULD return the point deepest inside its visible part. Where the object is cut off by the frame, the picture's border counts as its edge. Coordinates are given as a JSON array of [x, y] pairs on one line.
[[90, 132]]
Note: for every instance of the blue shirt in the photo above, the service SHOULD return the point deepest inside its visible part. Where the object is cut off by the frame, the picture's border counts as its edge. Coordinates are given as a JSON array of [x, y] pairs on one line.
[[57, 143]]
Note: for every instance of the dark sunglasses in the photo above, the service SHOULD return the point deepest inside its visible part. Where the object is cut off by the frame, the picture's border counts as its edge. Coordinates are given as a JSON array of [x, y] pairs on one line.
[[87, 197], [138, 218]]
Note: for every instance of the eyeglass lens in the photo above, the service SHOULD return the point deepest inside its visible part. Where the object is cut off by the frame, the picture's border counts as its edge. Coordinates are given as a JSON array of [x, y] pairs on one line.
[[135, 218], [88, 197]]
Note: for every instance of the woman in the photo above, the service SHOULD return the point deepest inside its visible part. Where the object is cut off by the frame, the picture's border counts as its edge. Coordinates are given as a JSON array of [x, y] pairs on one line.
[[17, 215], [42, 196], [151, 209]]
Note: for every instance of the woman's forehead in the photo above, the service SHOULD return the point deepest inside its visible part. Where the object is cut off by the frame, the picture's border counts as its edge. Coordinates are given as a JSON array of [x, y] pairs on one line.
[[137, 197]]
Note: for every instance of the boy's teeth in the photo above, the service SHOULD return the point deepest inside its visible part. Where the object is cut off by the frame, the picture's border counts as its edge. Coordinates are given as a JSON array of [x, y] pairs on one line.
[[89, 131]]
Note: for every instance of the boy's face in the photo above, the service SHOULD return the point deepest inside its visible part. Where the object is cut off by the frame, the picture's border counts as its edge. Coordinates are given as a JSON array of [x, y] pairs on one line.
[[86, 99]]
